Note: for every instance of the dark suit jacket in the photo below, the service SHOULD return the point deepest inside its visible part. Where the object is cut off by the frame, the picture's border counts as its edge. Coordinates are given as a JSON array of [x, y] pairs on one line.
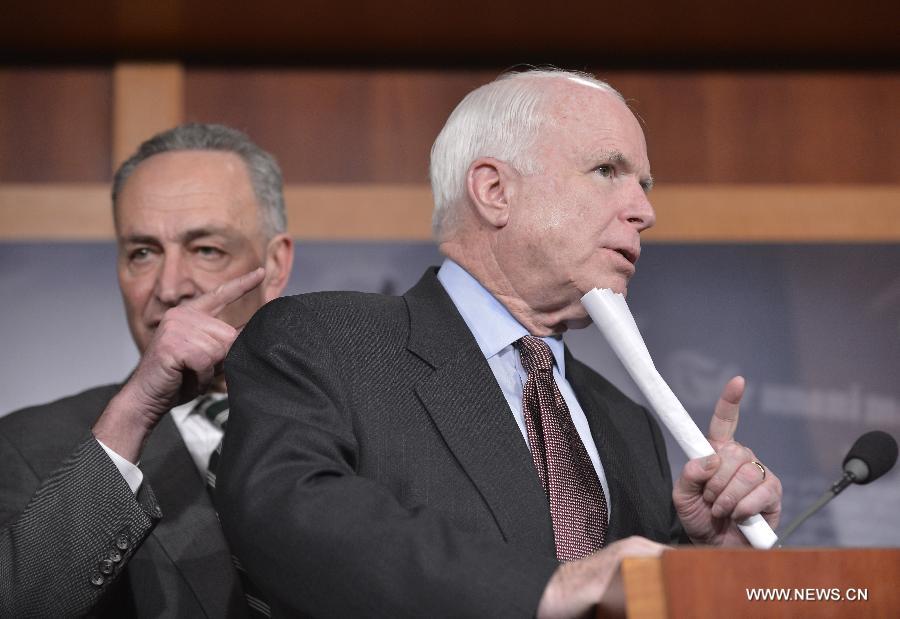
[[67, 516], [372, 466]]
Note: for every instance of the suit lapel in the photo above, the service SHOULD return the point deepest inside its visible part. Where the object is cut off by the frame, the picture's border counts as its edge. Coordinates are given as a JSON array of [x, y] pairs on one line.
[[189, 532], [611, 429], [466, 404]]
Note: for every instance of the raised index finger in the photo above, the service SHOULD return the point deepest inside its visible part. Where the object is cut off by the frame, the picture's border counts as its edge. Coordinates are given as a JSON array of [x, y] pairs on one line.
[[215, 300], [725, 417]]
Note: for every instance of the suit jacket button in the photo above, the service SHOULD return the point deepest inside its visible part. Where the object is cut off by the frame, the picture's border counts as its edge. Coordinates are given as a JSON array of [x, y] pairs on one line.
[[122, 542], [106, 566], [97, 579], [114, 555]]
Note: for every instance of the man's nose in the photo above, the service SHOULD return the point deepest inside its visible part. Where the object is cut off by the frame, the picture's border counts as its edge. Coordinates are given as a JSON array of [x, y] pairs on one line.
[[175, 283], [638, 211]]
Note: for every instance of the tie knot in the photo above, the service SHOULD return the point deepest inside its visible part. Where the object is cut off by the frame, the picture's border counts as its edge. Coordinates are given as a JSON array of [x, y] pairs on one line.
[[216, 410], [535, 354]]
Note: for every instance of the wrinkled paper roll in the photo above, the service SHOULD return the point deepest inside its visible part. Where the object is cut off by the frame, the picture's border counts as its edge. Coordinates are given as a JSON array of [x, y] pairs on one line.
[[610, 313]]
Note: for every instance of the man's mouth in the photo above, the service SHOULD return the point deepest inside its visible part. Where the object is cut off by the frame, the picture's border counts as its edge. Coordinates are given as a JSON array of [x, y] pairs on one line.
[[629, 254]]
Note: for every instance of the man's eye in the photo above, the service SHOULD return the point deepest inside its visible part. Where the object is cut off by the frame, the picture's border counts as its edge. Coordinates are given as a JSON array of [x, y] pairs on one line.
[[606, 171], [139, 254], [209, 252]]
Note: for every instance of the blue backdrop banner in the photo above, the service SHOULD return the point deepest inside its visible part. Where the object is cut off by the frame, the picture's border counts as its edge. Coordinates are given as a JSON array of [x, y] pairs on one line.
[[815, 330]]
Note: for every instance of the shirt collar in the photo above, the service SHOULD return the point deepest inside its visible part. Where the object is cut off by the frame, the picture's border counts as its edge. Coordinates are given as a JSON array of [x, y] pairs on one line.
[[179, 413], [489, 321]]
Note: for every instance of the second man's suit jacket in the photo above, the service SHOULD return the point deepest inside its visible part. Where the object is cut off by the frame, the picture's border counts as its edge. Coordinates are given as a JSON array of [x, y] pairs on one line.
[[74, 539], [372, 466]]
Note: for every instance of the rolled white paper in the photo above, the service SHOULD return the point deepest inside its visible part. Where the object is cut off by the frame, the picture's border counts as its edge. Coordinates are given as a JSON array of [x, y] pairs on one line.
[[610, 313]]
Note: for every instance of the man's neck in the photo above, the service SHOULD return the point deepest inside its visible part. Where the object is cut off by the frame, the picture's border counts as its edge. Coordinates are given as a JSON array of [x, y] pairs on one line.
[[483, 267]]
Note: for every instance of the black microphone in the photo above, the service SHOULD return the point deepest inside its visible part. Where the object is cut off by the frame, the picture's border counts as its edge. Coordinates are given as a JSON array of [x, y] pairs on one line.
[[872, 455]]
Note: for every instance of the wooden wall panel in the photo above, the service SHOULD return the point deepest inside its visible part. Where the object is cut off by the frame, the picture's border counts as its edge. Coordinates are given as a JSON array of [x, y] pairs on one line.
[[702, 127], [147, 98], [331, 125], [740, 156], [55, 124], [312, 120], [816, 127], [377, 125]]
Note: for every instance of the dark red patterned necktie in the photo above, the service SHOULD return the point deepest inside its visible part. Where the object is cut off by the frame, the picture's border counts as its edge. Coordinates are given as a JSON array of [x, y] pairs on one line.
[[577, 504]]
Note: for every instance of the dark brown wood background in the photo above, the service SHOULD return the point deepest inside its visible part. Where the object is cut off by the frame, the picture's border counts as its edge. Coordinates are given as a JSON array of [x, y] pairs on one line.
[[377, 125], [354, 93]]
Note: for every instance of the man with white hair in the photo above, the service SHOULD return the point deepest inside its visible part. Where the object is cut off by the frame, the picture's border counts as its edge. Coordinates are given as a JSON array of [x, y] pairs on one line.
[[442, 453]]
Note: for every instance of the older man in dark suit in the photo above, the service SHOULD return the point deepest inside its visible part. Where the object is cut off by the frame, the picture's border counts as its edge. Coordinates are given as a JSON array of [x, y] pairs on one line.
[[103, 497], [442, 454]]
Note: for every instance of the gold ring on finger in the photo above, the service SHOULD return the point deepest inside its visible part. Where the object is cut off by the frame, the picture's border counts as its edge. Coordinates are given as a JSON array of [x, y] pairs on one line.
[[761, 468]]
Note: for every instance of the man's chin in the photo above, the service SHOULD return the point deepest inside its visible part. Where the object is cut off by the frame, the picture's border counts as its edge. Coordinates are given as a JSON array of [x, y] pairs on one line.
[[618, 285], [579, 323], [617, 281], [143, 338]]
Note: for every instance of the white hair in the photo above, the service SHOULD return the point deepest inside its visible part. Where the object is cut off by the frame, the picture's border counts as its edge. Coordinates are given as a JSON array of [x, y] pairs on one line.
[[499, 119]]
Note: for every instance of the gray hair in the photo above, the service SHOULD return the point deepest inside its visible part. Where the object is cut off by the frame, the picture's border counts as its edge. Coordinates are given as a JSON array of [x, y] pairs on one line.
[[500, 119], [265, 175]]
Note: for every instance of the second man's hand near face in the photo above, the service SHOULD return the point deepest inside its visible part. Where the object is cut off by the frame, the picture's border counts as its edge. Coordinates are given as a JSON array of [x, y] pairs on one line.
[[197, 257], [181, 362]]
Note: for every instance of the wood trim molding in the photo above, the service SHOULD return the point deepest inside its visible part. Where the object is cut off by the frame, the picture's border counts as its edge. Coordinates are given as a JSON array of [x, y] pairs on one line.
[[386, 212], [55, 212], [359, 212], [644, 588], [147, 98], [776, 214]]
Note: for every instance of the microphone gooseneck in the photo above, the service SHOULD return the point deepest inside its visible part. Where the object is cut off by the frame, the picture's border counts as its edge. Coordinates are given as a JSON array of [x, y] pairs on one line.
[[872, 455]]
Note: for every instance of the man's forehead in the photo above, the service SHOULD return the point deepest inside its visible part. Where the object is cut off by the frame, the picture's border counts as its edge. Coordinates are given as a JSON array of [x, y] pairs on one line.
[[590, 122], [171, 193], [158, 207], [182, 196], [188, 179], [583, 101]]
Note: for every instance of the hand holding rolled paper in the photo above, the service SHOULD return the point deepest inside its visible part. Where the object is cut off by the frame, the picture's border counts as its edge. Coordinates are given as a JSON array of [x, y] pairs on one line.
[[610, 313]]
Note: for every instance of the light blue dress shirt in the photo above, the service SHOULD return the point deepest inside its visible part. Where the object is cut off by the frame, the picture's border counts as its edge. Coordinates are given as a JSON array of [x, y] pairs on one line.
[[496, 330]]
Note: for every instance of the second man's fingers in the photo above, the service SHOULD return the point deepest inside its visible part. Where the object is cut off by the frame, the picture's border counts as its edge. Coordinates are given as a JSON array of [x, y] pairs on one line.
[[215, 301], [183, 325]]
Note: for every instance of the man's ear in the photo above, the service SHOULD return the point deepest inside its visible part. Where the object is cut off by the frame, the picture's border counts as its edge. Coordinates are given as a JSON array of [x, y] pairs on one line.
[[279, 262], [488, 182]]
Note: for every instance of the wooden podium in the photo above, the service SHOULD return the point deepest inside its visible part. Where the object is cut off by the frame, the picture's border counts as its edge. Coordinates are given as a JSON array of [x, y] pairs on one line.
[[705, 582]]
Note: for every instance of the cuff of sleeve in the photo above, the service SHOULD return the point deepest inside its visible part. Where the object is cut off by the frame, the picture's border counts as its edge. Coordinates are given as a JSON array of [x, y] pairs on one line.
[[134, 477]]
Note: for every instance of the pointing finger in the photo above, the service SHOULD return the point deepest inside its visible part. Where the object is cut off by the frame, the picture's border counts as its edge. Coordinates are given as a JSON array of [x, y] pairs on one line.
[[725, 418], [215, 301]]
